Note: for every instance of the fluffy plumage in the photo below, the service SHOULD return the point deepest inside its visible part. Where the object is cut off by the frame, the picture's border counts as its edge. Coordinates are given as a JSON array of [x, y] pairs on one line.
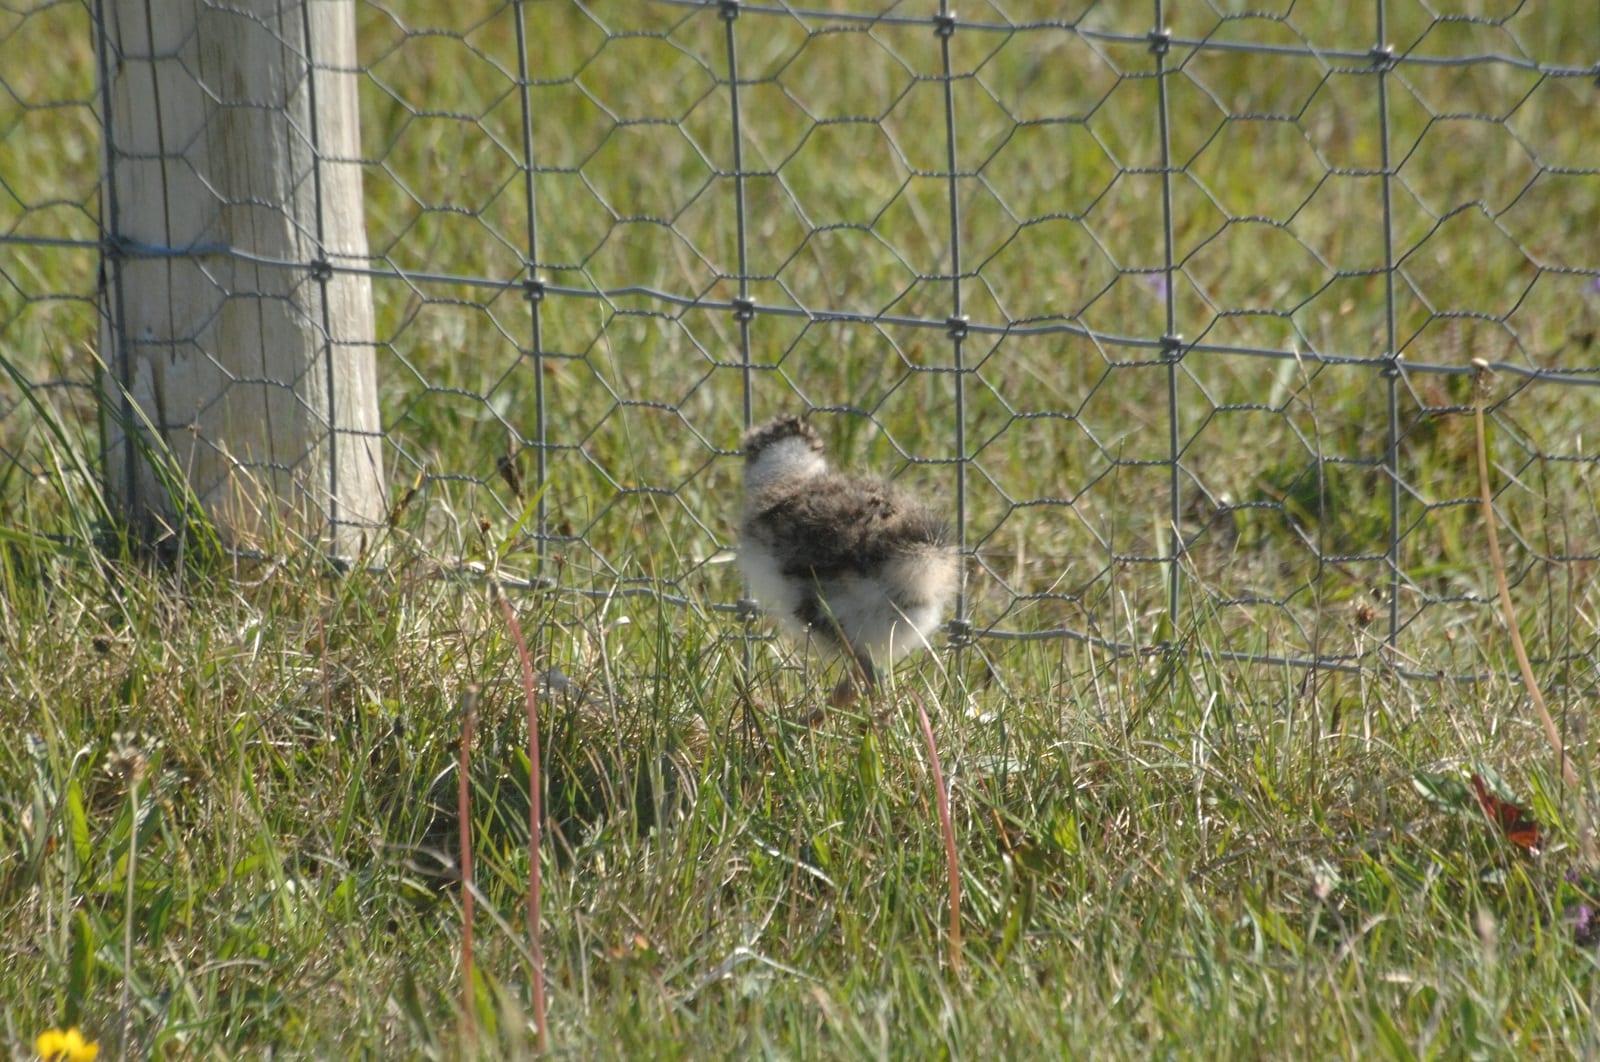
[[864, 566]]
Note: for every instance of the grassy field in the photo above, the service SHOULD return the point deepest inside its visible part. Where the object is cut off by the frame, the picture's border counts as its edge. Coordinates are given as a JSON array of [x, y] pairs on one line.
[[228, 809]]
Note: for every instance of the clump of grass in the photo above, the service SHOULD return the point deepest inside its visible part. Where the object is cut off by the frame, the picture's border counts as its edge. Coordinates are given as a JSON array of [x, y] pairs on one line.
[[1150, 858]]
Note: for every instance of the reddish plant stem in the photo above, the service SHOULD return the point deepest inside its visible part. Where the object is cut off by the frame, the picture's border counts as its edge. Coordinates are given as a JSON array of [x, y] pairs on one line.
[[535, 818], [469, 1010], [947, 828], [1569, 775]]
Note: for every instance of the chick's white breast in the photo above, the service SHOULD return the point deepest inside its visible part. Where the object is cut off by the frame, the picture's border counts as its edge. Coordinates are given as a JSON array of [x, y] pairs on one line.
[[763, 570]]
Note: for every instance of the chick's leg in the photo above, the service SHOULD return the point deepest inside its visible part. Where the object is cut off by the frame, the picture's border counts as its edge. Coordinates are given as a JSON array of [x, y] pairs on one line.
[[862, 675]]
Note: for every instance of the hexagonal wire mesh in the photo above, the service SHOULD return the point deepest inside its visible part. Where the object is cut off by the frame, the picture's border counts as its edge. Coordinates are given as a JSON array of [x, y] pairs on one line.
[[1123, 283]]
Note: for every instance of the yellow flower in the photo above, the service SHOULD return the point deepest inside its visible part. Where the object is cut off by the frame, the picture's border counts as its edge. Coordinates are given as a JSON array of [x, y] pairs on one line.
[[70, 1046]]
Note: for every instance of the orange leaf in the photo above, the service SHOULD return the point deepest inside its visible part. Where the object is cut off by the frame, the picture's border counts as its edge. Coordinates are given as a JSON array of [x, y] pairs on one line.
[[1514, 820]]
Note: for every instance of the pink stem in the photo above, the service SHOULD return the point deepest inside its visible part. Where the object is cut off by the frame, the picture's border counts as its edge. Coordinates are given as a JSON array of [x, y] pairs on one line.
[[469, 707], [952, 863], [535, 819]]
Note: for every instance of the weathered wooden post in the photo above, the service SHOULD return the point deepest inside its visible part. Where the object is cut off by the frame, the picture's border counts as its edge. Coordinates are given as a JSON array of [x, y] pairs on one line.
[[238, 349]]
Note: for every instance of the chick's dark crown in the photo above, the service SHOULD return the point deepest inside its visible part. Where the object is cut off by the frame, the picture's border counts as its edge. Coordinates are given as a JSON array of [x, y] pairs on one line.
[[761, 437]]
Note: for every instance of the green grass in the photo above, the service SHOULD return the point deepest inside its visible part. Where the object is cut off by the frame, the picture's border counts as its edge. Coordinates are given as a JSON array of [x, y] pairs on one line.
[[1189, 861], [1186, 854]]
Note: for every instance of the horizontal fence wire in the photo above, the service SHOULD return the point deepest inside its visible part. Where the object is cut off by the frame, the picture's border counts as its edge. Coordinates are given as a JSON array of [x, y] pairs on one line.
[[1175, 306]]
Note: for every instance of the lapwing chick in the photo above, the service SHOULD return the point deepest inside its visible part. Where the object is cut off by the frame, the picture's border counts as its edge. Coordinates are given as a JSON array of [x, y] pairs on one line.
[[864, 567]]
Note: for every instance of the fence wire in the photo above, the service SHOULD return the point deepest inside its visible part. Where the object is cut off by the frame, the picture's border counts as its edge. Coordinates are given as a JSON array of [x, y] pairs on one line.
[[1175, 305]]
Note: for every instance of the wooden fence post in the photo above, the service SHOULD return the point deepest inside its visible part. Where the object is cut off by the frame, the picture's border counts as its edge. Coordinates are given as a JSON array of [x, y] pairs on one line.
[[238, 350]]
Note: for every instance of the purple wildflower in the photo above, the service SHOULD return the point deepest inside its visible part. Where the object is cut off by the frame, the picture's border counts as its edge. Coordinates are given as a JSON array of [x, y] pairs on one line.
[[1581, 916]]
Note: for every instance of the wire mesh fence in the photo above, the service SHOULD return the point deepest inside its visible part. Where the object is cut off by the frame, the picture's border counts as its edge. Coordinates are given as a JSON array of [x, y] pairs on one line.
[[1175, 305]]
